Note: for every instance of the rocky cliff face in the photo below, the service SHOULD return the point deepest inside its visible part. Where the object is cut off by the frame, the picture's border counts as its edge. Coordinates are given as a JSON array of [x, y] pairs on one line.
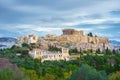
[[77, 39], [70, 39], [71, 35], [33, 38]]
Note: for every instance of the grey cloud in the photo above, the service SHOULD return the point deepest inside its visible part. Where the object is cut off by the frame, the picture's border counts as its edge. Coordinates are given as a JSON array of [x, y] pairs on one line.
[[90, 15]]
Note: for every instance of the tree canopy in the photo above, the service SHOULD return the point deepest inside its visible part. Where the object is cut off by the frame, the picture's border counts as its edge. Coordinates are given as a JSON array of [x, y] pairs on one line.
[[86, 72]]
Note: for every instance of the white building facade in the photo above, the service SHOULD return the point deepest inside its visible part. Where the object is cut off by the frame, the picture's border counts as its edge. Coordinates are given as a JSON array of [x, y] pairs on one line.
[[49, 56]]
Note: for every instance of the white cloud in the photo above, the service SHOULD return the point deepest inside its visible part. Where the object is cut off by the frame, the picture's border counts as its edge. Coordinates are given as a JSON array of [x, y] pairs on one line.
[[103, 27], [95, 21], [82, 7], [86, 30], [32, 9], [117, 39], [103, 34], [51, 17], [92, 21], [46, 29]]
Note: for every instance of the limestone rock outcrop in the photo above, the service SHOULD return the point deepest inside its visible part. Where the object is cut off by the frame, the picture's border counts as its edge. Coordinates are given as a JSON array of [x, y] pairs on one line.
[[33, 38], [71, 35]]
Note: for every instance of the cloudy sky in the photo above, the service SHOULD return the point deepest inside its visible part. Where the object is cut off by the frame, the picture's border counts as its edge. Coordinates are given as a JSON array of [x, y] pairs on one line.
[[22, 17]]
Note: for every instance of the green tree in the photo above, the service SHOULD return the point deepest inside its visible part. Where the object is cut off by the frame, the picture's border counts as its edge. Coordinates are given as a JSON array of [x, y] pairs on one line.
[[30, 73], [50, 77], [115, 76], [98, 51], [90, 34], [108, 51], [85, 72], [8, 74], [74, 50], [25, 45], [114, 51]]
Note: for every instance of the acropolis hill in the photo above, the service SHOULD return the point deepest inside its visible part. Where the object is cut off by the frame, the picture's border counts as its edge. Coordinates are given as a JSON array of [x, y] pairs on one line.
[[70, 38], [71, 35]]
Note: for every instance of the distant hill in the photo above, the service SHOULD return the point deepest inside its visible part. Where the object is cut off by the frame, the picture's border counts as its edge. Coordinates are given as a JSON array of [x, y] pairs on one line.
[[6, 42], [7, 39], [115, 43]]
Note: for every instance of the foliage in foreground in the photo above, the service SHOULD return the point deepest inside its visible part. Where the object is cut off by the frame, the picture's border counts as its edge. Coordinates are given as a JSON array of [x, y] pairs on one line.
[[85, 72], [115, 76], [61, 70], [9, 74]]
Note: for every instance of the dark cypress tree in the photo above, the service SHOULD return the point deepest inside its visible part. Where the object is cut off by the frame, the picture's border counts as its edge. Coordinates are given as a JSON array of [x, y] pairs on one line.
[[114, 52], [90, 34]]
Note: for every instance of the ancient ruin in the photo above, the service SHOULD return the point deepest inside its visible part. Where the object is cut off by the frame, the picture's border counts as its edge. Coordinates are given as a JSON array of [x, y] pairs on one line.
[[70, 39], [33, 38], [71, 35]]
